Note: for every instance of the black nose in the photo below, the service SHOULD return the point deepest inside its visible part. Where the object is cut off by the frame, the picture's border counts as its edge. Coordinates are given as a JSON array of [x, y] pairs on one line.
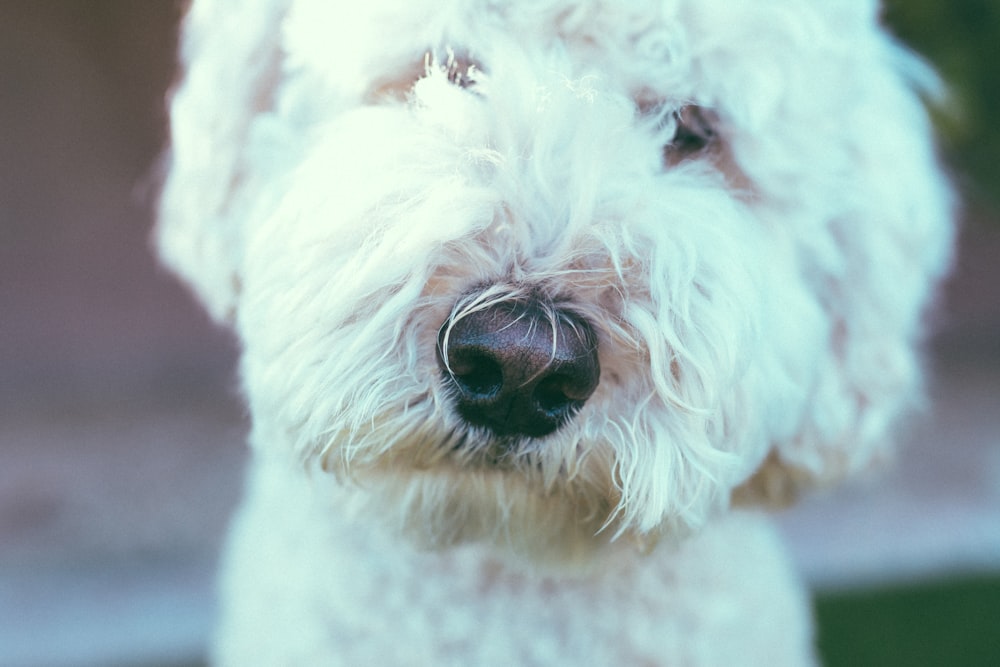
[[519, 368]]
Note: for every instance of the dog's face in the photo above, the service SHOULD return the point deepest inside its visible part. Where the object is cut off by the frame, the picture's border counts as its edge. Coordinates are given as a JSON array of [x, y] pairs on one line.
[[547, 273]]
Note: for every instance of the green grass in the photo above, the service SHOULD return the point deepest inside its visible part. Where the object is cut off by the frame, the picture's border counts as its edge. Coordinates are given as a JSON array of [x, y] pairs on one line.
[[942, 623]]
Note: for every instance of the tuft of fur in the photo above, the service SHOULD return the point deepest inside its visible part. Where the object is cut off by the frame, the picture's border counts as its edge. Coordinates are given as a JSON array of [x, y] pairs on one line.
[[743, 203]]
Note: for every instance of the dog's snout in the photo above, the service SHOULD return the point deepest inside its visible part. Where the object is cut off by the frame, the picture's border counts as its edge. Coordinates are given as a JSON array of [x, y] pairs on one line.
[[519, 368]]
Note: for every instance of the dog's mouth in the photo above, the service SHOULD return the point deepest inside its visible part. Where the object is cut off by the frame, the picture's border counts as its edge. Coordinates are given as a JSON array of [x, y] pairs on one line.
[[481, 449]]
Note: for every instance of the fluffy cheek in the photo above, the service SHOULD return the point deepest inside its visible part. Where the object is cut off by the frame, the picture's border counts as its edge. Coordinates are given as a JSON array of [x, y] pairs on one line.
[[335, 314], [323, 364]]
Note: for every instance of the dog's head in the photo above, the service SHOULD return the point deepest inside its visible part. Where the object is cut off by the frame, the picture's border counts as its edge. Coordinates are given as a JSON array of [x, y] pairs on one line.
[[546, 273]]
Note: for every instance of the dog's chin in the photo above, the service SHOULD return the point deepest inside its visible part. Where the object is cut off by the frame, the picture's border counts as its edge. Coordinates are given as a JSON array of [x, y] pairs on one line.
[[562, 500], [565, 526]]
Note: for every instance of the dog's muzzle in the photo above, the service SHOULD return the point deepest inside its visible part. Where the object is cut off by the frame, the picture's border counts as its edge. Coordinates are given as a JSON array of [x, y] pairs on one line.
[[519, 368]]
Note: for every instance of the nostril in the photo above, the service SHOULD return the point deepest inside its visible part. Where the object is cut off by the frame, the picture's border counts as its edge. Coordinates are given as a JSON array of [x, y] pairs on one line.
[[555, 395], [477, 375]]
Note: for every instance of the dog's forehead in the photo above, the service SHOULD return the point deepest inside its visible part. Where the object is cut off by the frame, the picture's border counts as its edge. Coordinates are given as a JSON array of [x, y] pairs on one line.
[[639, 44]]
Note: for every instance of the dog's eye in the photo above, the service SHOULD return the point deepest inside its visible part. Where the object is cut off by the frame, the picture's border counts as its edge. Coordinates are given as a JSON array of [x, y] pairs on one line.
[[694, 132]]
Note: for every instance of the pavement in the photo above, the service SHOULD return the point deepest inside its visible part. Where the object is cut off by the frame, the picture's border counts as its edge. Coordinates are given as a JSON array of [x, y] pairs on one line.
[[111, 518]]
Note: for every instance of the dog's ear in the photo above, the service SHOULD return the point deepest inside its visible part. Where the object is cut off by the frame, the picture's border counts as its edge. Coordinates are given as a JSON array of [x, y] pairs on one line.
[[230, 57], [885, 253]]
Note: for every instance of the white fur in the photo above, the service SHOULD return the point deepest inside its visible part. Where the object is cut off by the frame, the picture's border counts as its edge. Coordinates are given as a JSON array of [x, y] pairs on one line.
[[334, 192]]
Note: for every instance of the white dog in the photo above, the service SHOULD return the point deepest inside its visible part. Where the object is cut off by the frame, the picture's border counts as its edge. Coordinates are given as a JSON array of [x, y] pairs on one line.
[[540, 302]]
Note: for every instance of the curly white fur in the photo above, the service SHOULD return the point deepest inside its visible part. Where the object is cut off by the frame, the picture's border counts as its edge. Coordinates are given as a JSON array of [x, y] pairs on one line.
[[341, 178]]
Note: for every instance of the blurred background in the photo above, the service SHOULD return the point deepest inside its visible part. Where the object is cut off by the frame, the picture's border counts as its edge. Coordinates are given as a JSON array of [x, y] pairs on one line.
[[121, 434]]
